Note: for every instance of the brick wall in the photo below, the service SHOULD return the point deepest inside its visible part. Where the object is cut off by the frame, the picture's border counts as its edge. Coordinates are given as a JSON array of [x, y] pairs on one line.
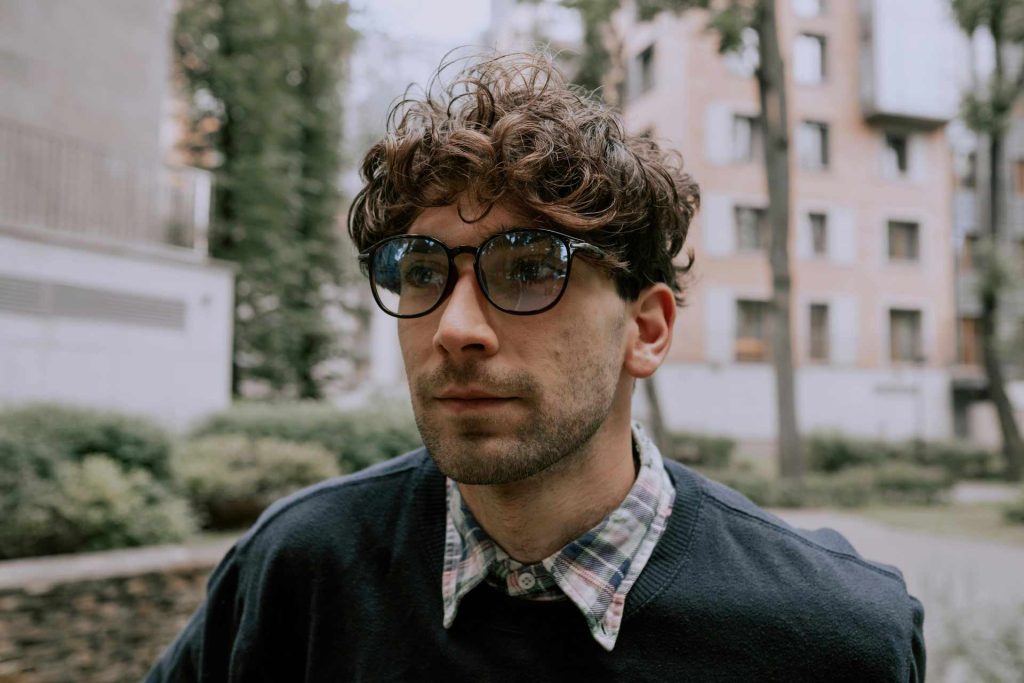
[[98, 617]]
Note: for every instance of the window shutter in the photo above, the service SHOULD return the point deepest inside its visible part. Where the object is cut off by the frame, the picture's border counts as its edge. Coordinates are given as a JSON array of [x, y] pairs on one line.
[[842, 235], [719, 324], [718, 225], [718, 143], [843, 329]]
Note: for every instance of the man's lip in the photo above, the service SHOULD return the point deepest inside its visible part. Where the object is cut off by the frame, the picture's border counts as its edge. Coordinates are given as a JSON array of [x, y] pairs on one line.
[[468, 395]]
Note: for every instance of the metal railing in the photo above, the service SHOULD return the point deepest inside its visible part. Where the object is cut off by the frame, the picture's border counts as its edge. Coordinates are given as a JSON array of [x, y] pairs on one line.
[[57, 182]]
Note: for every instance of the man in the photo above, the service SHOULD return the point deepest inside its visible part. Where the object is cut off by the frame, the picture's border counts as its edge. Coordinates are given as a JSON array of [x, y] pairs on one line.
[[525, 243]]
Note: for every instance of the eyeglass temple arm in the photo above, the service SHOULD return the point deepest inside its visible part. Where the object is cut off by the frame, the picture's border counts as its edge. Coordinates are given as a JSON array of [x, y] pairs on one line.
[[588, 248]]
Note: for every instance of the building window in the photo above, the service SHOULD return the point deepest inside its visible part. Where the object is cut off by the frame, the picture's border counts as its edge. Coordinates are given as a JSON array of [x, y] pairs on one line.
[[744, 61], [969, 254], [753, 331], [809, 8], [819, 332], [904, 241], [1018, 177], [819, 233], [746, 137], [896, 156], [905, 335], [753, 234], [809, 59], [812, 144], [645, 67], [969, 341]]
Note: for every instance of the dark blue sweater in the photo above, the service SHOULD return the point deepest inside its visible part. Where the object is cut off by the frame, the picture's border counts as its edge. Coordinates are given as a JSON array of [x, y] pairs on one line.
[[342, 582]]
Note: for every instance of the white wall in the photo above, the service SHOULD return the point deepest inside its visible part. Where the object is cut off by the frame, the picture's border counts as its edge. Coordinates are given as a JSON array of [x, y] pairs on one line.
[[738, 400], [173, 374]]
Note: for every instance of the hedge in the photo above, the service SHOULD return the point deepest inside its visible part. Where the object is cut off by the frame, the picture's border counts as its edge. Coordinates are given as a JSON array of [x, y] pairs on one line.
[[832, 452], [897, 483], [41, 435], [357, 438], [91, 504], [698, 449], [231, 479]]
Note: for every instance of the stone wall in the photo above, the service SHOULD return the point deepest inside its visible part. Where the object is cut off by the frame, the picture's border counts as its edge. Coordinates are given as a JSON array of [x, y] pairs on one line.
[[98, 617]]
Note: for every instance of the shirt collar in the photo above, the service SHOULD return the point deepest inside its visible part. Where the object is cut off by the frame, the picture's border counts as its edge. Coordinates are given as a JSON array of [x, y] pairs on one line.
[[595, 571]]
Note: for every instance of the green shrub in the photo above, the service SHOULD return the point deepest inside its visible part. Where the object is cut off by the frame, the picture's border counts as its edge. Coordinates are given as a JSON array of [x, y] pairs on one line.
[[42, 435], [1014, 513], [851, 488], [959, 460], [231, 479], [697, 449], [898, 483], [901, 482], [93, 504], [760, 489], [357, 438], [833, 452]]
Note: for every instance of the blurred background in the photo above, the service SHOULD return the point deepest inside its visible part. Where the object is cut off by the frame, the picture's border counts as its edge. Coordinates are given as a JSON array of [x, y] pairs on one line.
[[185, 336]]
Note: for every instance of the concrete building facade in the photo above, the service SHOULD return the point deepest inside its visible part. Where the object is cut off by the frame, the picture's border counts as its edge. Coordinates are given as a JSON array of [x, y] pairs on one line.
[[873, 313], [108, 298]]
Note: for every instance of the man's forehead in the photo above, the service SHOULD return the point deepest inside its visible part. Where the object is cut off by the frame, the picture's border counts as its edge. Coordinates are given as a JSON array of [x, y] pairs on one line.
[[446, 224]]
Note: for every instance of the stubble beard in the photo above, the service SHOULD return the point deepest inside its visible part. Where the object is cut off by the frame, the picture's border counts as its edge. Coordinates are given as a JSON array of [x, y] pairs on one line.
[[485, 449]]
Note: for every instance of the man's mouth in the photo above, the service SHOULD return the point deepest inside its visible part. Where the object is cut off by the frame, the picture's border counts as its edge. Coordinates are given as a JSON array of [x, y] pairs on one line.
[[469, 399]]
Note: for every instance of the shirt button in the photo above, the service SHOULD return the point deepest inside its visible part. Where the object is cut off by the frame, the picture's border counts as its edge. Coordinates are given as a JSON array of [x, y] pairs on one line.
[[527, 581]]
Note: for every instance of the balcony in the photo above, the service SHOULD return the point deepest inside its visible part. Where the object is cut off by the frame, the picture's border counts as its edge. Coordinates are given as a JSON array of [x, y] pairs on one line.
[[53, 182], [913, 63]]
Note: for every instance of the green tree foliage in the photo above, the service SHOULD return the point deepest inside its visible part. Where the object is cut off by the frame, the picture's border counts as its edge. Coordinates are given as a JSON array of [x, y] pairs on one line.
[[263, 79]]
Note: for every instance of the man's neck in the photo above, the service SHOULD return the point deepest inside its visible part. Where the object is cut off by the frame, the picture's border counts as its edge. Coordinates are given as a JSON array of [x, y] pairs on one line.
[[534, 518]]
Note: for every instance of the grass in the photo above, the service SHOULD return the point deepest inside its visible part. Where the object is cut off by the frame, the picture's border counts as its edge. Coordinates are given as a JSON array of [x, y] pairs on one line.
[[977, 521]]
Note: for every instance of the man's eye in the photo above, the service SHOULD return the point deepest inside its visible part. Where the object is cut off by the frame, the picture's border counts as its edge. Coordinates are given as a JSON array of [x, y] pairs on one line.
[[423, 275], [531, 270]]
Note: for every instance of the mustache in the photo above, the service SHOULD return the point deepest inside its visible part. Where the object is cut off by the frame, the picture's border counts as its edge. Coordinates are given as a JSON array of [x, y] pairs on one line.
[[449, 374]]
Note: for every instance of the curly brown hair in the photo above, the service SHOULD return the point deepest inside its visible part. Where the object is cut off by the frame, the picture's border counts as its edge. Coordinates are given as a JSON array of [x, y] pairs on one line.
[[510, 130]]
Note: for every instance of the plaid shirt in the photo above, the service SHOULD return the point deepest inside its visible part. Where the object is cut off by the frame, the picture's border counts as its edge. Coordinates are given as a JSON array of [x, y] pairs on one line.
[[595, 571]]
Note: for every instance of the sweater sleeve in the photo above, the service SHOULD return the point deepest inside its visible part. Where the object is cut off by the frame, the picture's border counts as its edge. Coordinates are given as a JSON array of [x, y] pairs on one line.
[[202, 651], [918, 656]]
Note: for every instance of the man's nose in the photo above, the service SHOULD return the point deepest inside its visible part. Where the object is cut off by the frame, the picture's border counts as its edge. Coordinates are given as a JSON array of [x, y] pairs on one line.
[[464, 327]]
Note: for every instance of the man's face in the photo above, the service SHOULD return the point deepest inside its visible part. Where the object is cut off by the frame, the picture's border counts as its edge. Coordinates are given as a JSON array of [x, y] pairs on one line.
[[499, 397]]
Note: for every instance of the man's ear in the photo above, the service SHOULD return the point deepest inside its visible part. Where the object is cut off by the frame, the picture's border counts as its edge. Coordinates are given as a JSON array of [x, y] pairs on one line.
[[652, 317]]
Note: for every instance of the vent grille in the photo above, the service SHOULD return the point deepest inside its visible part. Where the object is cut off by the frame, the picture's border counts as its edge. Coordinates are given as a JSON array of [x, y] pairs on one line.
[[49, 299]]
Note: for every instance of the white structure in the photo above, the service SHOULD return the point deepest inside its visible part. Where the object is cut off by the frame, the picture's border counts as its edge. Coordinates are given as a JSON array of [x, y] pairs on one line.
[[107, 296]]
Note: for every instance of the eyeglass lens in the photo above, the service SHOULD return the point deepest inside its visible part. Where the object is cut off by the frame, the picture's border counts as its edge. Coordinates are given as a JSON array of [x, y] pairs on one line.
[[520, 271]]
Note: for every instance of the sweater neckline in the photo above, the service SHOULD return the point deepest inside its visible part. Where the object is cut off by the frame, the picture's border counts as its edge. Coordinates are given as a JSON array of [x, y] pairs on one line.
[[666, 561]]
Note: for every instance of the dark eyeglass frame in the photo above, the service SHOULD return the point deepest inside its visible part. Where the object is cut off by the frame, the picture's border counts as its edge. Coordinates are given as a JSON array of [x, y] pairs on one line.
[[573, 245]]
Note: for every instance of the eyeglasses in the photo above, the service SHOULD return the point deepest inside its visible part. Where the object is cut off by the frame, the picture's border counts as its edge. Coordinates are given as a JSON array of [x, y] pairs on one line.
[[522, 271]]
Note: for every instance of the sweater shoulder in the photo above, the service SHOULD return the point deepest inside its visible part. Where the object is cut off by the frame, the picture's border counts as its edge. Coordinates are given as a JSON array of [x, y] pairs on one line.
[[780, 574], [735, 509]]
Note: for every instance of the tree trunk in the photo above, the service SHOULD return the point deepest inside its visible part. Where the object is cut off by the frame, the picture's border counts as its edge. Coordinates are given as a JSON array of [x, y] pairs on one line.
[[1013, 446], [775, 124]]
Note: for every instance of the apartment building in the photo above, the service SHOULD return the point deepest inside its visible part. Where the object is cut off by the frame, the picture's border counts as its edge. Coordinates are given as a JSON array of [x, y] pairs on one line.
[[873, 309], [108, 298]]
